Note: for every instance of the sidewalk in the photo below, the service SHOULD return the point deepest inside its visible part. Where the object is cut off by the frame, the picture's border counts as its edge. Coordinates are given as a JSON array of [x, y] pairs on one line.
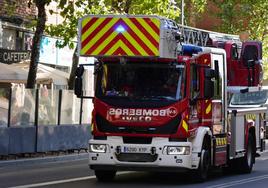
[[46, 159]]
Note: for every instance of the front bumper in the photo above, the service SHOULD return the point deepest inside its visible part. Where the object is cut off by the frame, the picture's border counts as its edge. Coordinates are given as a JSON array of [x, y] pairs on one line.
[[158, 161]]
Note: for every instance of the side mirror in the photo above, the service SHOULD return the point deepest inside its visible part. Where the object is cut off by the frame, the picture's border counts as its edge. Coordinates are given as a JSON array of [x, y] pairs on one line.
[[208, 83], [78, 81], [79, 71], [234, 52], [78, 86], [209, 73], [251, 52], [208, 89]]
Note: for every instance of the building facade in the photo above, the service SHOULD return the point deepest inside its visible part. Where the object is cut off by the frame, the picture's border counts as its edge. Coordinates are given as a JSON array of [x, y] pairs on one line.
[[15, 17]]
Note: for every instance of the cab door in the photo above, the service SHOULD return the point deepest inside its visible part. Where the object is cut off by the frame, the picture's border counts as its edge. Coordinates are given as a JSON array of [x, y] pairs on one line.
[[219, 107]]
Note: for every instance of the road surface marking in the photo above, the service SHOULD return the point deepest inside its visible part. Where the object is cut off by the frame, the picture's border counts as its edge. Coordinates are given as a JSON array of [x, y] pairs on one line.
[[55, 182], [61, 181], [239, 182]]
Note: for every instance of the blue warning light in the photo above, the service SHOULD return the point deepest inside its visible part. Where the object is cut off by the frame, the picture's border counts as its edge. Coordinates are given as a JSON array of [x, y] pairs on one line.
[[120, 29], [189, 49]]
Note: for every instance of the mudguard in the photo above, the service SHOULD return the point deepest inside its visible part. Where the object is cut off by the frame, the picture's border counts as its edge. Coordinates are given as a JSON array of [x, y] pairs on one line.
[[197, 141]]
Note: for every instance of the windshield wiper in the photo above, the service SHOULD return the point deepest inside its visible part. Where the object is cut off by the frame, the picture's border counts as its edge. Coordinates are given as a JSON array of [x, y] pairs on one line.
[[158, 98], [133, 98]]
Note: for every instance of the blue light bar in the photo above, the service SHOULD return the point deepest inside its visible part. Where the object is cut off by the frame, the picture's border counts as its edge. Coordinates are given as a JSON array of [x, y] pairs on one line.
[[188, 49]]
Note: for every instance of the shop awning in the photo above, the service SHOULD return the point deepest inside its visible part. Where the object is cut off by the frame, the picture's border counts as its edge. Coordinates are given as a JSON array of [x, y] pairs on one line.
[[11, 74], [18, 73]]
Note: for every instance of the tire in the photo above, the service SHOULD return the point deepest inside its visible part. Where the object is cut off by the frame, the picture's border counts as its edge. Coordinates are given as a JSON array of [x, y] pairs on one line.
[[246, 163], [105, 175], [201, 174]]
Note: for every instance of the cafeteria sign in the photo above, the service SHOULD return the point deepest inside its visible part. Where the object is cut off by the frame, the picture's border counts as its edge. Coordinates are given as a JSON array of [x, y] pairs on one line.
[[13, 56]]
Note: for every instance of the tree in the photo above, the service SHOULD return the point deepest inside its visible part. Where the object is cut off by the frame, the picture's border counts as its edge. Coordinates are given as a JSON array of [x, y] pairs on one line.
[[71, 12], [40, 27], [245, 15], [258, 27], [193, 8]]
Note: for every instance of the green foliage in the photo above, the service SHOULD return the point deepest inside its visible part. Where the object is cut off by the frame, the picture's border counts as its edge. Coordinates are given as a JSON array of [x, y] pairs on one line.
[[10, 8], [199, 5], [164, 8], [246, 15], [71, 11], [231, 16]]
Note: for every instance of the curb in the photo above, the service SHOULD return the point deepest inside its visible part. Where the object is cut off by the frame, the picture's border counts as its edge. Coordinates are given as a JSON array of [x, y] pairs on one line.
[[42, 160]]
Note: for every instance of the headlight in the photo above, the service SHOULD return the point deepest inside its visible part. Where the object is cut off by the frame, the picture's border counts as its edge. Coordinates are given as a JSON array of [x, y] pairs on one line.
[[97, 148], [178, 150]]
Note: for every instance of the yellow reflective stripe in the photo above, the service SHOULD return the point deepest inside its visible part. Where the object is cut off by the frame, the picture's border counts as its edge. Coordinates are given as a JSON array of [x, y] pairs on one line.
[[218, 142], [134, 43], [221, 141], [250, 116], [148, 28], [208, 109], [142, 36], [104, 78], [156, 22], [129, 38], [99, 35], [104, 43], [117, 45], [185, 125], [92, 127], [85, 21], [91, 28]]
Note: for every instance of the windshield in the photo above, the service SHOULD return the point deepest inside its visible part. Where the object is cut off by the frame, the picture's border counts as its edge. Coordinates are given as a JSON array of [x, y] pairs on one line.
[[250, 98], [142, 81]]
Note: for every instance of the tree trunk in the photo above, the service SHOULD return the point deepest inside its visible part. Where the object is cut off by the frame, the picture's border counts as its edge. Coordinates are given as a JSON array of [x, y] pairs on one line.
[[74, 66], [40, 27], [191, 14], [127, 6]]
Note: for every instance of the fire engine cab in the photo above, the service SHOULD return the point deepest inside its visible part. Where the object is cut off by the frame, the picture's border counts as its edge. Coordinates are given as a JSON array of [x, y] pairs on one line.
[[161, 104]]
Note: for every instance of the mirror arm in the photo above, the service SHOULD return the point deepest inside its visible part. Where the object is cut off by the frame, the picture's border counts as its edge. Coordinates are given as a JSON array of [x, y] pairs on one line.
[[193, 101]]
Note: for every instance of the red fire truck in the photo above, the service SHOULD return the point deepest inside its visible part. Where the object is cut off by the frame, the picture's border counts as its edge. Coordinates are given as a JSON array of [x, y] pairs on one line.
[[160, 104]]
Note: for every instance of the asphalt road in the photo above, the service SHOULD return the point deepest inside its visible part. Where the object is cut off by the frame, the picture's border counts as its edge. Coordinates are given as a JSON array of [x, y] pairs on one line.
[[69, 174]]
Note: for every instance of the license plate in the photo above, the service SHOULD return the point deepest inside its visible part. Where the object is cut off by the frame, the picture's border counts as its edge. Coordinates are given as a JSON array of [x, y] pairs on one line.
[[135, 149]]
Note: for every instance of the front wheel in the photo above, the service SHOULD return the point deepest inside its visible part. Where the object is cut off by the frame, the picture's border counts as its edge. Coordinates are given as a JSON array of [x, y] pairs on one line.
[[201, 174], [105, 175]]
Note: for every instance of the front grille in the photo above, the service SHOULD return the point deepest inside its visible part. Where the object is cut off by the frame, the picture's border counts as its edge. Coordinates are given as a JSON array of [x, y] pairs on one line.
[[136, 157], [169, 128]]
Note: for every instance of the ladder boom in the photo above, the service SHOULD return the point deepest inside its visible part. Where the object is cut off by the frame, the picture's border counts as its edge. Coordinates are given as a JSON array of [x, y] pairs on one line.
[[201, 37]]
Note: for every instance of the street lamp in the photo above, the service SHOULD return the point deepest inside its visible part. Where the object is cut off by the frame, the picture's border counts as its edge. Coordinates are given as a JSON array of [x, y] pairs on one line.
[[182, 12]]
